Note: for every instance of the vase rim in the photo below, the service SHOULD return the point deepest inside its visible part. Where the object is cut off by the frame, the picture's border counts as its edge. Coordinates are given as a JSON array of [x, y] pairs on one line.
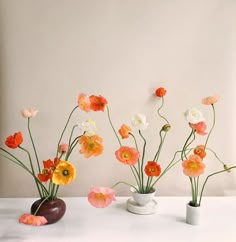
[[153, 190]]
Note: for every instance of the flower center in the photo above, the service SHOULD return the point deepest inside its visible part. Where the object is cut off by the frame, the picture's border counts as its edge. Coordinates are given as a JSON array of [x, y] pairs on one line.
[[65, 173]]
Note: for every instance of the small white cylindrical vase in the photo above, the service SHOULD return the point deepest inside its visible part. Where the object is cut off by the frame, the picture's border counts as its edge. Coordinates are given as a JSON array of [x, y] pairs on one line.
[[193, 215]]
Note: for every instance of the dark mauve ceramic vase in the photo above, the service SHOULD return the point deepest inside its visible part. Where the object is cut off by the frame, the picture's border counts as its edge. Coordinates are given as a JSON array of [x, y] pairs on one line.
[[52, 210]]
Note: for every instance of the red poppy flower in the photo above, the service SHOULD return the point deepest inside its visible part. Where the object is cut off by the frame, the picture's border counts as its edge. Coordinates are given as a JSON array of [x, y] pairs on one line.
[[200, 151], [152, 169], [97, 103], [160, 92], [13, 141]]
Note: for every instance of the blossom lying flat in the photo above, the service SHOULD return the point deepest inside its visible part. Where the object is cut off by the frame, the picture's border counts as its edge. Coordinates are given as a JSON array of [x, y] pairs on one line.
[[101, 197], [32, 219]]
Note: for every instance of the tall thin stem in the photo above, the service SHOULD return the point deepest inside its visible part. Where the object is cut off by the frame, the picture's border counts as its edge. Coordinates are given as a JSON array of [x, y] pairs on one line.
[[109, 118]]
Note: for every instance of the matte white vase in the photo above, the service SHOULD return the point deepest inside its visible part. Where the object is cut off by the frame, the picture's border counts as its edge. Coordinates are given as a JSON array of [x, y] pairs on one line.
[[142, 203], [193, 215]]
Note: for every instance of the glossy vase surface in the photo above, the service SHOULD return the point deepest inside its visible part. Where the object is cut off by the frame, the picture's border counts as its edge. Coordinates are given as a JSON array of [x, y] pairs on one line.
[[52, 210]]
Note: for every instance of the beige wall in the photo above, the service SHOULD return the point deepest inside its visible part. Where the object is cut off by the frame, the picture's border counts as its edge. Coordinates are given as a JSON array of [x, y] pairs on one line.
[[123, 49]]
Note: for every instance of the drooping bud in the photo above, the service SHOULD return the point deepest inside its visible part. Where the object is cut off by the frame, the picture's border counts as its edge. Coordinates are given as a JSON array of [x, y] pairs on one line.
[[227, 168], [166, 127]]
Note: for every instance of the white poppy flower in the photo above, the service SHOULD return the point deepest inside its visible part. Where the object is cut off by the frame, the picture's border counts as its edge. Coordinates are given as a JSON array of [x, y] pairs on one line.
[[139, 122], [193, 115], [89, 127]]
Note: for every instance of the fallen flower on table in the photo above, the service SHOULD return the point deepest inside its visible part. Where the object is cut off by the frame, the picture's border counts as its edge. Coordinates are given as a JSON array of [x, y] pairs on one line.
[[101, 197], [30, 219]]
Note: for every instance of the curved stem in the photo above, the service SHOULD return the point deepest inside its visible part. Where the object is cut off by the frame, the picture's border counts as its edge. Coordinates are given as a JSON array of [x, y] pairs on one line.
[[158, 110], [183, 155], [143, 155], [64, 129], [109, 118], [215, 173], [32, 169], [122, 182], [213, 124], [32, 141]]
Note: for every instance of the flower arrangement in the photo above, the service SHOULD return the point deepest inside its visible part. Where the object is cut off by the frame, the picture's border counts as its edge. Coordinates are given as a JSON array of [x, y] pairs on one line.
[[146, 171], [50, 174], [192, 158]]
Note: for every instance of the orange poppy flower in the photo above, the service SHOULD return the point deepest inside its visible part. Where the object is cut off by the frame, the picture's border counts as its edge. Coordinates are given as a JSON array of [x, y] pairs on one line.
[[98, 103], [152, 169], [13, 141], [127, 155], [160, 92], [200, 151], [193, 166], [124, 131], [32, 219], [83, 102], [91, 145]]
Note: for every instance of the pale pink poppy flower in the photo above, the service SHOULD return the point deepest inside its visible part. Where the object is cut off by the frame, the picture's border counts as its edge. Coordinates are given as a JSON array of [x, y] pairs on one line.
[[32, 219], [200, 128], [193, 166], [84, 102], [101, 197], [210, 100], [63, 148], [29, 112]]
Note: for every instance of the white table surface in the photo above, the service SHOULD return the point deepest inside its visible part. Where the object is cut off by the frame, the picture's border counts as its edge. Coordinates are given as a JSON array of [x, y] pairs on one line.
[[84, 223]]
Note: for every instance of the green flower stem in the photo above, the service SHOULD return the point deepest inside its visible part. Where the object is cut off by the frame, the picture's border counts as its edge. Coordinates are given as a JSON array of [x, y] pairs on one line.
[[32, 141], [216, 156], [160, 145], [21, 164], [136, 174], [109, 118], [169, 166], [158, 110], [128, 184], [72, 146], [139, 164], [213, 124], [183, 155], [46, 198], [32, 169], [213, 174], [142, 162], [65, 128]]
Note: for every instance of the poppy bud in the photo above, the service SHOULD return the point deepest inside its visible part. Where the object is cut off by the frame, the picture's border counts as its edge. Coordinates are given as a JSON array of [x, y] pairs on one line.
[[166, 127]]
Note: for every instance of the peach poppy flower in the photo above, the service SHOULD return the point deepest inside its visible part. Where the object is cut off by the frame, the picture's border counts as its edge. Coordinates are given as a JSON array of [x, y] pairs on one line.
[[160, 92], [152, 169], [91, 145], [200, 151], [200, 128], [124, 131], [127, 155], [210, 100], [13, 141], [32, 219], [97, 103], [101, 197], [29, 112], [193, 166], [64, 173], [84, 102]]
